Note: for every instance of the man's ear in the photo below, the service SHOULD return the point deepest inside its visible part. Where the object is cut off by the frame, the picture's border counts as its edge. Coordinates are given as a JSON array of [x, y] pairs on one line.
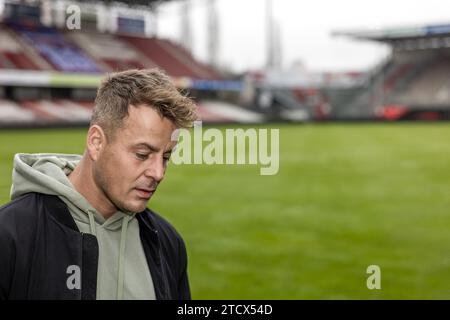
[[96, 141]]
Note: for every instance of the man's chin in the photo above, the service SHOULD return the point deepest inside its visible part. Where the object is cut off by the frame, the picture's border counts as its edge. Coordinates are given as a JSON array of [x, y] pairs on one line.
[[136, 208]]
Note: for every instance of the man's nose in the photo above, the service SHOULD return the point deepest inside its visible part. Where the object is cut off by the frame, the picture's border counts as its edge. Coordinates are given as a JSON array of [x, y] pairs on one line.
[[156, 169]]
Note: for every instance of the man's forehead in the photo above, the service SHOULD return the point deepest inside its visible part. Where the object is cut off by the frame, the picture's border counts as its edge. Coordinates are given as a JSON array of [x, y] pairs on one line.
[[155, 142], [146, 121]]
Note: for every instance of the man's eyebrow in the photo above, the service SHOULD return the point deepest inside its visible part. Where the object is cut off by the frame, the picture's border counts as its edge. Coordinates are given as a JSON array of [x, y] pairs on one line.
[[148, 146], [151, 148]]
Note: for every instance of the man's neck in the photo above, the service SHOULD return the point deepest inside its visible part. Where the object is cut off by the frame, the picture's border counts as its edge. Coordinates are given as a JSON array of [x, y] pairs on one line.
[[82, 180]]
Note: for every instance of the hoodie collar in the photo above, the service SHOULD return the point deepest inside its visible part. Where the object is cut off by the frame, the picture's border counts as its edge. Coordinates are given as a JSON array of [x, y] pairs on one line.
[[46, 173]]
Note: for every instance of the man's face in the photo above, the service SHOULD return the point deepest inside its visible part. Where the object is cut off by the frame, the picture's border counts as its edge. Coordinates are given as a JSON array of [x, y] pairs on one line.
[[133, 163]]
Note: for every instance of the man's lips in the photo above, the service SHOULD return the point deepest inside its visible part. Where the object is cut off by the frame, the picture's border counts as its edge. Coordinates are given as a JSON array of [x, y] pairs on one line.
[[145, 193]]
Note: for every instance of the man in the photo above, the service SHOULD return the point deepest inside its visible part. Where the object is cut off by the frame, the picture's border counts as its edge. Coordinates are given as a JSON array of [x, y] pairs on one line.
[[78, 227]]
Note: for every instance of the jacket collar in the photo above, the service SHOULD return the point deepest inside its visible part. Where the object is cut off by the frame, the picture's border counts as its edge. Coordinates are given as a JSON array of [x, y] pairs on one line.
[[58, 210]]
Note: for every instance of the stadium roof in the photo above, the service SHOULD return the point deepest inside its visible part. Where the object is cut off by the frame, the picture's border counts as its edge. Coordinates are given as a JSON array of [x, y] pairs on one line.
[[390, 35]]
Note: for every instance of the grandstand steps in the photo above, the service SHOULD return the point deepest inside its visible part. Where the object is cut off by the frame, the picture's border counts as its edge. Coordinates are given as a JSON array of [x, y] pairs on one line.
[[77, 111], [11, 112], [31, 52], [403, 82], [40, 113], [5, 63], [58, 110], [38, 48], [182, 55], [110, 52], [152, 49], [171, 58], [60, 53], [20, 61], [430, 87], [85, 45], [379, 89]]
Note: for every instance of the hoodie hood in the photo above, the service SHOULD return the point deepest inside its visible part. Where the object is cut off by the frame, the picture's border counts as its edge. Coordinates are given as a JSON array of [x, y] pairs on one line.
[[47, 173]]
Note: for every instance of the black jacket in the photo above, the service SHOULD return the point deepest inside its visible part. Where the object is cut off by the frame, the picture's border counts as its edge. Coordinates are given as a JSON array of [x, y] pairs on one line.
[[39, 240]]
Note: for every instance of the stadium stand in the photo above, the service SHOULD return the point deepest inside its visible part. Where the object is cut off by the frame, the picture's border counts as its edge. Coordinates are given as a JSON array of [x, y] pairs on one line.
[[94, 52], [49, 74], [414, 81], [171, 58], [61, 111], [202, 70], [110, 52], [12, 53], [61, 54], [42, 67], [430, 87], [12, 112]]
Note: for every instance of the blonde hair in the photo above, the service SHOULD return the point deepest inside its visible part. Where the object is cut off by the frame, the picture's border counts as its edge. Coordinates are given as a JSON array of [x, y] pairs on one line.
[[131, 88]]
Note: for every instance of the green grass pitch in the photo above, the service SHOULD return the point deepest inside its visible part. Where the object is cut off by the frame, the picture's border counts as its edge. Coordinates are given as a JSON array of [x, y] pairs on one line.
[[346, 196]]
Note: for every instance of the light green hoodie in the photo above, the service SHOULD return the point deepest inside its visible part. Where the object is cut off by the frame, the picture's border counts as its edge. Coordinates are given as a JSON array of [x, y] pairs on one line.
[[123, 272]]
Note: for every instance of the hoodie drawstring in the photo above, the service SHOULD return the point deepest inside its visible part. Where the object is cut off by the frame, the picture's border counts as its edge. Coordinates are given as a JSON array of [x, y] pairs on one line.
[[121, 272], [92, 223]]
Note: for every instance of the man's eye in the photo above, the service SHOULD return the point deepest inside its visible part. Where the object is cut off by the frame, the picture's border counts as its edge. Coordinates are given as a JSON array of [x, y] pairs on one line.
[[166, 157], [141, 156]]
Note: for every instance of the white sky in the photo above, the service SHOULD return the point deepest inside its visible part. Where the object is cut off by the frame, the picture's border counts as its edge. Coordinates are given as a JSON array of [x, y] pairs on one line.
[[306, 29]]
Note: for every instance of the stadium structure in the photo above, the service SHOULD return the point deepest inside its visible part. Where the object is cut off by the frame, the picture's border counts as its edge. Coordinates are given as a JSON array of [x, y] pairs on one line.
[[49, 72], [413, 82]]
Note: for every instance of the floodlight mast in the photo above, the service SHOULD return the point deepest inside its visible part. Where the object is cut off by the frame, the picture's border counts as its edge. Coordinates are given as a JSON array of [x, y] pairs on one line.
[[269, 35], [213, 33], [185, 25]]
